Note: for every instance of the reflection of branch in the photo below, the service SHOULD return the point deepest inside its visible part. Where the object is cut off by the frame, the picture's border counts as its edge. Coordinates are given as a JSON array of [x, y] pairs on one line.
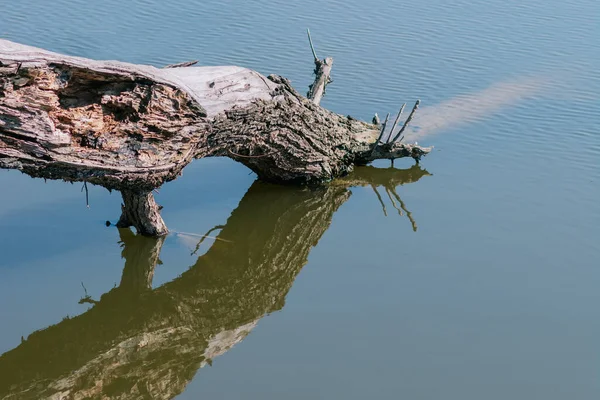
[[393, 202], [389, 179], [380, 199], [408, 213], [203, 237], [87, 298], [391, 191]]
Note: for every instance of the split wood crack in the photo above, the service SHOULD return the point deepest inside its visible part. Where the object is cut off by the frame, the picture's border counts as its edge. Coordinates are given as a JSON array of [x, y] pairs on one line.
[[134, 127]]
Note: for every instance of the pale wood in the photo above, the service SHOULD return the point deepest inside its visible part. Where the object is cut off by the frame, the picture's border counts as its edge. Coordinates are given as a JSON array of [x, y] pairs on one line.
[[322, 79], [133, 127]]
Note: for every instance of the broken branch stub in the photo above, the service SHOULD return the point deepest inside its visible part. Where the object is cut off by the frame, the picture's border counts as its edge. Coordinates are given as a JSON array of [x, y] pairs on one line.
[[316, 90], [134, 127]]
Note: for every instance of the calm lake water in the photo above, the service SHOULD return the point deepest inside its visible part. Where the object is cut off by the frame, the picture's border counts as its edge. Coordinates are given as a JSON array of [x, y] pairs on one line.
[[478, 278]]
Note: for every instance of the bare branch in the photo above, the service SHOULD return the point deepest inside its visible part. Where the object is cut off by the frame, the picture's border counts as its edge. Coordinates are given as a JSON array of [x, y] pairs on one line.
[[381, 133], [311, 46], [380, 199], [316, 90], [395, 122], [410, 117]]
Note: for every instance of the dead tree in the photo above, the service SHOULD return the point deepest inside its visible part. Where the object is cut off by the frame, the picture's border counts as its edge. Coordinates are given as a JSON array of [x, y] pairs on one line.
[[134, 127]]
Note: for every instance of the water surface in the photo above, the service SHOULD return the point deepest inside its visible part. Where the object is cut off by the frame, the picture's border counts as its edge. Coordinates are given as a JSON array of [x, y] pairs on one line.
[[477, 278]]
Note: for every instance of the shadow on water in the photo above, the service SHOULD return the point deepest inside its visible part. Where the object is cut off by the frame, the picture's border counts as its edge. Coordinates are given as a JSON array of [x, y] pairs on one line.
[[136, 341]]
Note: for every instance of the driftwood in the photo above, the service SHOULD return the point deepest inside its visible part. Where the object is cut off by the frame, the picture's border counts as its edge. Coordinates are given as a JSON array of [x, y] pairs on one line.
[[134, 127], [139, 342]]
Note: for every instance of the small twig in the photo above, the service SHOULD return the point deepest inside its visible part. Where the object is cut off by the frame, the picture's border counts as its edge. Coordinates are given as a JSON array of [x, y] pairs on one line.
[[380, 199], [381, 133], [84, 289], [410, 117], [395, 123], [181, 65], [311, 46]]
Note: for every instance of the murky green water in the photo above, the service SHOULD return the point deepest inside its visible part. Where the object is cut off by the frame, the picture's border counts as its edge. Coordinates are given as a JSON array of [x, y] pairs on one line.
[[474, 276]]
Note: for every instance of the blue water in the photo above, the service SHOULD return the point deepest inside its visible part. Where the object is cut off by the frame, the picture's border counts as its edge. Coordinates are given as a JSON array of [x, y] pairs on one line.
[[493, 297]]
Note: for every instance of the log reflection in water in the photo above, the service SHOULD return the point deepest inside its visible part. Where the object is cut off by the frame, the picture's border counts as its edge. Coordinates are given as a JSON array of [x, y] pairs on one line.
[[389, 179], [136, 342]]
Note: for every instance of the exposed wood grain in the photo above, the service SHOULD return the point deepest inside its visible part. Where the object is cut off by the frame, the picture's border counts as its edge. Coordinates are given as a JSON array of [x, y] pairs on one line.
[[134, 127]]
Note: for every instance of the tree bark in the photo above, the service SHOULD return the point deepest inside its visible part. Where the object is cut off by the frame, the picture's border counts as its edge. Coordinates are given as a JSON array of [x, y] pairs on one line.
[[316, 91], [141, 211], [134, 127]]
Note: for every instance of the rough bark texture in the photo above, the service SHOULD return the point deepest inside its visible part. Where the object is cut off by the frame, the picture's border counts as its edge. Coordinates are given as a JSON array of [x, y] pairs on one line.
[[316, 91], [134, 127], [141, 211]]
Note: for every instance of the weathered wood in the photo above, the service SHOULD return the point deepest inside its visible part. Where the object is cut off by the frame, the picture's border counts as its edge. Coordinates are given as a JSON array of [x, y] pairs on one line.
[[322, 79], [316, 90], [410, 117], [134, 127], [395, 123], [141, 211]]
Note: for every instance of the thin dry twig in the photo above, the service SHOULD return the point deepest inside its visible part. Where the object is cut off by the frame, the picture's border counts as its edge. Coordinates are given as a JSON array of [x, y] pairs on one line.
[[311, 46], [396, 122], [381, 133], [410, 117]]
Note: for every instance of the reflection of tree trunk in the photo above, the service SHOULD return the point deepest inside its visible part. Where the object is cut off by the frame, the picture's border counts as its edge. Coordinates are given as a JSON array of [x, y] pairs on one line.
[[141, 256], [136, 341]]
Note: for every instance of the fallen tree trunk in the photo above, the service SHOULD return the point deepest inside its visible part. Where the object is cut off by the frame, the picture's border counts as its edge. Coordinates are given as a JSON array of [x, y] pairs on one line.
[[133, 127]]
